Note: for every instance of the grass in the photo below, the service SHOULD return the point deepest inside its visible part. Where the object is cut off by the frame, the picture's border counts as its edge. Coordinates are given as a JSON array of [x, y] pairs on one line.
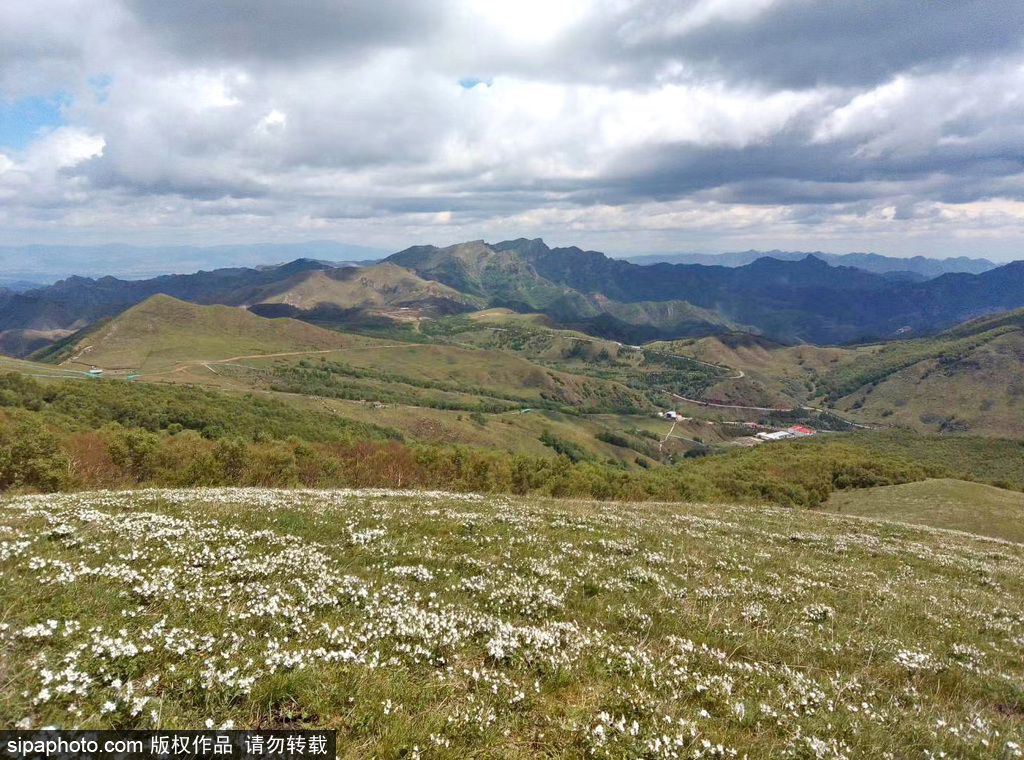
[[162, 336], [997, 461], [940, 503], [513, 431], [166, 340], [433, 625], [498, 371], [375, 286], [649, 373], [966, 380], [979, 390], [774, 374], [39, 369]]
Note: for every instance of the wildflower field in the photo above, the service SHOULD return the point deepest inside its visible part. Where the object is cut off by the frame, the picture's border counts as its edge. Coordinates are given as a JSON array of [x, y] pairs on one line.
[[432, 625]]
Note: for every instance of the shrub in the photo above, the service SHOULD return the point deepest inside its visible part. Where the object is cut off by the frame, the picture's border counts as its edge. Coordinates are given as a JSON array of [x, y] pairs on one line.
[[31, 457], [134, 452]]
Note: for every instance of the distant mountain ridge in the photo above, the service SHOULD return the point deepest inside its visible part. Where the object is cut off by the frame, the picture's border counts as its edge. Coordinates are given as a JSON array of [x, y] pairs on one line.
[[792, 301], [869, 262], [789, 301]]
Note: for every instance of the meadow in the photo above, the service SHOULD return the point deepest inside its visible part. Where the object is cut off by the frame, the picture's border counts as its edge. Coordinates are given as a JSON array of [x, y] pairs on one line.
[[435, 625], [940, 503]]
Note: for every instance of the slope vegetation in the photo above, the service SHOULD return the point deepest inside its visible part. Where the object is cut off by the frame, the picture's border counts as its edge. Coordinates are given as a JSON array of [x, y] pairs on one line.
[[163, 332], [447, 626], [966, 379], [382, 287], [943, 503], [970, 379]]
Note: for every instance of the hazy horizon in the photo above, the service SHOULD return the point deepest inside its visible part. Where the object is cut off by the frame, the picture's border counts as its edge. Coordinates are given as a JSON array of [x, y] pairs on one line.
[[20, 262]]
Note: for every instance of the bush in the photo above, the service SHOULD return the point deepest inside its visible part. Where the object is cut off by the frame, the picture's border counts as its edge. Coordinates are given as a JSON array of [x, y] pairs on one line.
[[574, 451], [134, 452], [31, 457]]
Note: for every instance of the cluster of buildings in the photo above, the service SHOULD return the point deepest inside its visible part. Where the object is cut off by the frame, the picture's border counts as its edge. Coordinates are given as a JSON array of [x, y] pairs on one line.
[[796, 431], [766, 433]]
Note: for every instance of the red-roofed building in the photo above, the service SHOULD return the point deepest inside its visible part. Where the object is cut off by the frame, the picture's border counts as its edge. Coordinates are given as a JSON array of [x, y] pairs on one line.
[[801, 430]]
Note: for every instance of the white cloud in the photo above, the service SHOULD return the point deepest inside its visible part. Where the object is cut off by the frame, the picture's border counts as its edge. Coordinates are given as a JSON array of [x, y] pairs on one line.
[[528, 23], [601, 118]]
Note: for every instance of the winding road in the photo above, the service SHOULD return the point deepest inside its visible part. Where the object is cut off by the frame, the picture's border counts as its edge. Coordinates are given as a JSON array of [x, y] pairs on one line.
[[738, 374]]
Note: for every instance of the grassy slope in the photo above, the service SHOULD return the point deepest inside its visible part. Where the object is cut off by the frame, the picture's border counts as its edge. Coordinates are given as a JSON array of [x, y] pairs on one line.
[[376, 286], [980, 391], [162, 332], [943, 503], [774, 374], [446, 627], [967, 379], [512, 431], [999, 461], [499, 370], [649, 373], [172, 340], [39, 369], [500, 315]]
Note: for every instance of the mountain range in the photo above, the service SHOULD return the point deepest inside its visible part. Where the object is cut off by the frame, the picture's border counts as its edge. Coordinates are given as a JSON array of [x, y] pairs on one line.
[[790, 301], [807, 300], [916, 267]]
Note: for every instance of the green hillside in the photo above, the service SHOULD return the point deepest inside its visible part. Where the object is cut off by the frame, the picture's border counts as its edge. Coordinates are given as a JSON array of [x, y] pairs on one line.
[[975, 389], [383, 287], [506, 275], [953, 504], [452, 626], [1014, 318], [480, 270], [965, 380], [428, 391], [773, 374], [163, 333]]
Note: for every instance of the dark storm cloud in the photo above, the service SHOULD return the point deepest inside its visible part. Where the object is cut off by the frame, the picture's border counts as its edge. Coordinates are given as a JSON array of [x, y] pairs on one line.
[[807, 43], [280, 30]]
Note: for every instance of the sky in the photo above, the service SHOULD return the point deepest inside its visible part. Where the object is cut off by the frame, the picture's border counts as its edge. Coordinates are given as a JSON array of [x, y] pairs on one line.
[[628, 126]]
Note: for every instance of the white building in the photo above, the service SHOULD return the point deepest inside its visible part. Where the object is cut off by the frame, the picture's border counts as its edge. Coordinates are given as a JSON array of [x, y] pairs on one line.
[[779, 435]]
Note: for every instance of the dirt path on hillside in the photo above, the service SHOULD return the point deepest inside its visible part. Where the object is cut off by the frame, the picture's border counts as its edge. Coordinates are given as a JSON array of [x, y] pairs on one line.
[[668, 435], [192, 363], [740, 374], [731, 406], [831, 412]]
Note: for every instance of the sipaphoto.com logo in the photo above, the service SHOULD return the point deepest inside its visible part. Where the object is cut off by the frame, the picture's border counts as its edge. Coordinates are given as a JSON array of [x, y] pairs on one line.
[[58, 745], [54, 744]]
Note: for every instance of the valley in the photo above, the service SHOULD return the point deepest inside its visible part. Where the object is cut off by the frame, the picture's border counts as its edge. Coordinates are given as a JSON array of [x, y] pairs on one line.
[[442, 377]]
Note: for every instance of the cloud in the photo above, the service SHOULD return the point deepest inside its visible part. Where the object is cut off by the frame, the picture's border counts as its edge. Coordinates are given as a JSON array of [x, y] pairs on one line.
[[642, 124], [808, 43], [272, 32]]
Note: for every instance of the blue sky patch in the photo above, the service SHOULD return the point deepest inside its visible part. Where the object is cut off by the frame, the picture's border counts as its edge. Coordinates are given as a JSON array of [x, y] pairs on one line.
[[101, 87], [22, 120], [470, 82]]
